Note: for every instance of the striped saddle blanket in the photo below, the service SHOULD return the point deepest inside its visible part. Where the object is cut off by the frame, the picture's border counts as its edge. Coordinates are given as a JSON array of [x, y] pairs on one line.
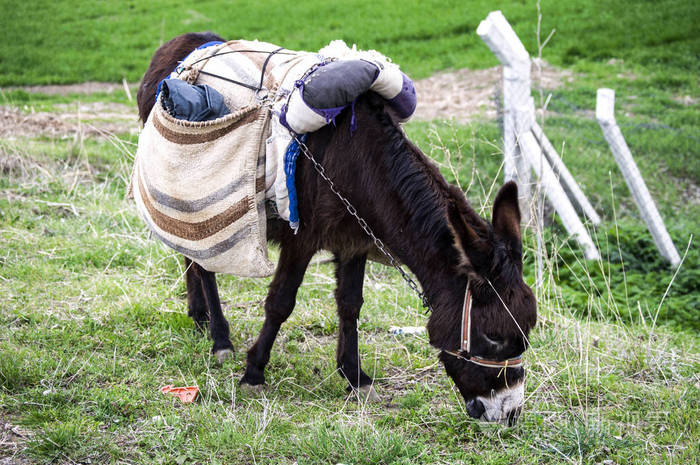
[[201, 186]]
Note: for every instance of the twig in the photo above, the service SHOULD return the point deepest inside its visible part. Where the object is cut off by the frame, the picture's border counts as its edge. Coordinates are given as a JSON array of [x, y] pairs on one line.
[[69, 206], [126, 89], [668, 288]]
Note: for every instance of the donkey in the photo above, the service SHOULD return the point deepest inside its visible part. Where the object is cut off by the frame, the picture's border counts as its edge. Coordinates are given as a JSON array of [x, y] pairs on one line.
[[425, 222]]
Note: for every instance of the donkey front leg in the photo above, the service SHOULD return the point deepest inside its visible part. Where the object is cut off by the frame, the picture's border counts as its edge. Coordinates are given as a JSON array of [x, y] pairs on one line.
[[202, 295], [348, 295], [279, 304]]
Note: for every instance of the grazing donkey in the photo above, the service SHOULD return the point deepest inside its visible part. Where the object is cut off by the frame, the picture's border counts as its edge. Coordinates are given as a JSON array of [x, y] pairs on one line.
[[470, 269]]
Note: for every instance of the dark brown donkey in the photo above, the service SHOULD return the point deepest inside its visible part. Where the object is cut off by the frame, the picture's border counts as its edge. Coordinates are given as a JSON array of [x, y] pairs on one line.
[[425, 222]]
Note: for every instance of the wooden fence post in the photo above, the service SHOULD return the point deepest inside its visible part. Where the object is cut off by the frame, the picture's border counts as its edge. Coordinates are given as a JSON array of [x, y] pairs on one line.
[[504, 43], [605, 114], [522, 150], [533, 153], [562, 171]]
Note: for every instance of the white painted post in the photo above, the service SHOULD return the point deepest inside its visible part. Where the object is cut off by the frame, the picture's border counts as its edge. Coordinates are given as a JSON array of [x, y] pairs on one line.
[[605, 114], [504, 43], [532, 152], [560, 169]]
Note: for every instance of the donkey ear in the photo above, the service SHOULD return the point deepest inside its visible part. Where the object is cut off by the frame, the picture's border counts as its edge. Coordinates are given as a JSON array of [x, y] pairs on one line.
[[466, 225], [506, 212]]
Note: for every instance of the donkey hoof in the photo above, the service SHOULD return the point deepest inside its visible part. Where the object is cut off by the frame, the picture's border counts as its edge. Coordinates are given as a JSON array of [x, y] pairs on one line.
[[252, 388], [222, 354], [368, 393]]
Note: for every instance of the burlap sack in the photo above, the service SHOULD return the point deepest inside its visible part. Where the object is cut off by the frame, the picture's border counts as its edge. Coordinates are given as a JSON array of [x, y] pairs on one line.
[[200, 188]]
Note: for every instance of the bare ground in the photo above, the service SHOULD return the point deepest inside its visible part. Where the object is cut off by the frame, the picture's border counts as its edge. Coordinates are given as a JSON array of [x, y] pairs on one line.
[[94, 119], [466, 94], [461, 95], [12, 439]]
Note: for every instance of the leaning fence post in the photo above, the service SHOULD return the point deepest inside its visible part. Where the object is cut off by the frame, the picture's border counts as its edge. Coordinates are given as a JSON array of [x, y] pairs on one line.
[[521, 149], [605, 114], [562, 171], [532, 152]]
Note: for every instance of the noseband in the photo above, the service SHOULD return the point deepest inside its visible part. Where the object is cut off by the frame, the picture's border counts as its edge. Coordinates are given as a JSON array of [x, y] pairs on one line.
[[466, 340]]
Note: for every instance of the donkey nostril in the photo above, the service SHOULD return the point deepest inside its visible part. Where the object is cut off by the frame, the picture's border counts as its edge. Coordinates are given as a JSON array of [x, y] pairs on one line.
[[513, 416], [475, 408]]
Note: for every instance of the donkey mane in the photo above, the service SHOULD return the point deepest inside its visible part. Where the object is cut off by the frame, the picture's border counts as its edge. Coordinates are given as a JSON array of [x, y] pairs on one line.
[[425, 193], [416, 181], [407, 176]]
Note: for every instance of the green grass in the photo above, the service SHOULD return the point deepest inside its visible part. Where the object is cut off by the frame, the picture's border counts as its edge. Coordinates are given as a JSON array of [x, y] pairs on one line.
[[64, 41], [93, 314], [93, 322]]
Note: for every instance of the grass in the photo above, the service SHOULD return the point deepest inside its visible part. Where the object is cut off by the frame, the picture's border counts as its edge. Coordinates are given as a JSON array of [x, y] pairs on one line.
[[93, 315], [93, 322], [64, 41]]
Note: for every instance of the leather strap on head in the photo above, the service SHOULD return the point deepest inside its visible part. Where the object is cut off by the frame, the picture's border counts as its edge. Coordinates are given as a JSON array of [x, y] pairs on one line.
[[466, 332], [465, 343], [515, 362]]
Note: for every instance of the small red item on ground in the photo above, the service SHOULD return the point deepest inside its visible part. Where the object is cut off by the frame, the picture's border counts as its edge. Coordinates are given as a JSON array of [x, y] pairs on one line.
[[186, 394]]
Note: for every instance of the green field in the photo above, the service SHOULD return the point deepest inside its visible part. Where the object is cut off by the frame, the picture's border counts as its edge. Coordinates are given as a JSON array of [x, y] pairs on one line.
[[93, 315], [64, 41]]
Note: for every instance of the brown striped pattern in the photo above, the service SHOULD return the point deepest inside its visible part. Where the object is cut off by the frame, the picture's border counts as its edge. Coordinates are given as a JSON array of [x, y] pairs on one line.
[[185, 138], [200, 186], [260, 184], [199, 230]]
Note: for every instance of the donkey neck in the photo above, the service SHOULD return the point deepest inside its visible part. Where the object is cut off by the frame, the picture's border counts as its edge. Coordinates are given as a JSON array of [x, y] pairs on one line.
[[429, 253], [418, 233], [398, 191], [408, 198]]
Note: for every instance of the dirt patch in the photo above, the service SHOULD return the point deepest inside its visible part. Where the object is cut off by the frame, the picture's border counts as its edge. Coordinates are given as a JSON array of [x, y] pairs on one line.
[[690, 190], [462, 95], [686, 100], [12, 439], [98, 119], [84, 88], [466, 94]]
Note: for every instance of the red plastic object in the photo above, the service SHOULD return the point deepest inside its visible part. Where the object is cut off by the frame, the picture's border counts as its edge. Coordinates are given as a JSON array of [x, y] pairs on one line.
[[186, 394]]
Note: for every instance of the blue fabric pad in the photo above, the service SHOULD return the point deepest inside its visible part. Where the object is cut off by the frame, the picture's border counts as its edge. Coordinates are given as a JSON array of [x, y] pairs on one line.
[[192, 102]]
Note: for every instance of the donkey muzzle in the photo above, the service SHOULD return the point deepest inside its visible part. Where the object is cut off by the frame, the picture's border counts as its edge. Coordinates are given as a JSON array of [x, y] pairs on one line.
[[502, 406]]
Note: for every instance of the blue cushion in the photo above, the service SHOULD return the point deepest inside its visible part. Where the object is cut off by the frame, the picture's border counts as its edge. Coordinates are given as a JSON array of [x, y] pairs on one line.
[[192, 102]]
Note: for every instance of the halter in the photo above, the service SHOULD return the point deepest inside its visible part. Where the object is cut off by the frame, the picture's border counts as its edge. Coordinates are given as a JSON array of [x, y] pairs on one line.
[[466, 340]]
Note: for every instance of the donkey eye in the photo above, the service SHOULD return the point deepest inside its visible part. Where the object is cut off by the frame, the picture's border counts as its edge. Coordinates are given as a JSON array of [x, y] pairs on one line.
[[494, 340]]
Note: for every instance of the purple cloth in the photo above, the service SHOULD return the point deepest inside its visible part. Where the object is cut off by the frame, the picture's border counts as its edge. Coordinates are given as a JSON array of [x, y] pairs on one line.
[[405, 102]]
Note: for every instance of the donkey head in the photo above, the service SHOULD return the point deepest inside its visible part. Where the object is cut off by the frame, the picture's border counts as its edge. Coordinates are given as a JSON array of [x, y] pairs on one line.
[[503, 308]]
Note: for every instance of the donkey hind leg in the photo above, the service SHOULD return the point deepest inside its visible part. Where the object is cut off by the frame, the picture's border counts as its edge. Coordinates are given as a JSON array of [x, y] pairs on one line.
[[348, 295], [279, 304], [208, 293], [196, 303]]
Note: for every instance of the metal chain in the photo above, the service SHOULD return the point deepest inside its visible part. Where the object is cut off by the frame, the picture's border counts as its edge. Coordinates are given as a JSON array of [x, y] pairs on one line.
[[363, 224]]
